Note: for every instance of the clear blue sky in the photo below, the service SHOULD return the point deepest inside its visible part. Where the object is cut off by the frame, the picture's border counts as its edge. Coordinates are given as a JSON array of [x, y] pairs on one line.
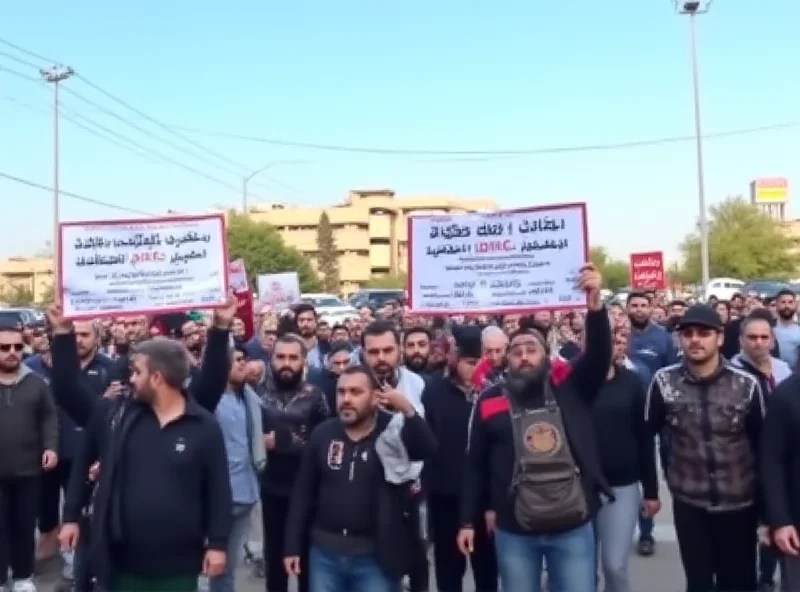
[[415, 75]]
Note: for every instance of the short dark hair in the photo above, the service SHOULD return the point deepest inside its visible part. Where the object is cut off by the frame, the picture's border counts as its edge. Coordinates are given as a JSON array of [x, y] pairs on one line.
[[340, 346], [304, 307], [759, 314], [292, 338], [380, 327], [785, 292], [417, 329], [359, 369], [638, 294], [340, 327], [9, 327], [167, 357]]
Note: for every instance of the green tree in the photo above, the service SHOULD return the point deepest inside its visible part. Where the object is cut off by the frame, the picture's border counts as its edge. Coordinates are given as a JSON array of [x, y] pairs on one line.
[[17, 296], [327, 255], [48, 295], [263, 251], [743, 243], [616, 272], [388, 282]]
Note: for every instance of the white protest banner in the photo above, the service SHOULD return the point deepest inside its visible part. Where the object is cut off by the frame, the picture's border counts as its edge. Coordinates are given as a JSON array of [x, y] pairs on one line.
[[156, 265], [278, 291], [237, 276], [501, 262]]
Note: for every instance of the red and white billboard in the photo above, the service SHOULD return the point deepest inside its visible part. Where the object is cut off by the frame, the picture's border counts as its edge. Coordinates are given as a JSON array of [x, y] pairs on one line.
[[647, 271]]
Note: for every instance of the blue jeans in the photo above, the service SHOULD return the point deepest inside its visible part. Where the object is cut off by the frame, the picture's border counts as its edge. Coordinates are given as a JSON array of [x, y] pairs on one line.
[[241, 526], [570, 557], [330, 572], [615, 524]]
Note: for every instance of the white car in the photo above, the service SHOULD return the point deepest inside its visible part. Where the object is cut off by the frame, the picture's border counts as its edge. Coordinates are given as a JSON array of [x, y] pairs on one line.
[[330, 307], [723, 288]]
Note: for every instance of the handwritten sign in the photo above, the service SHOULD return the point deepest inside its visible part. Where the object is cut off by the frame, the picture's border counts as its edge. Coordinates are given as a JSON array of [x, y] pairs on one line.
[[500, 262], [156, 265], [278, 291], [647, 271]]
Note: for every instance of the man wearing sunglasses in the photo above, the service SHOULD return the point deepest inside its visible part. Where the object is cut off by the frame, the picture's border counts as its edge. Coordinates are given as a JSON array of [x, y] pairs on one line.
[[713, 412], [28, 441]]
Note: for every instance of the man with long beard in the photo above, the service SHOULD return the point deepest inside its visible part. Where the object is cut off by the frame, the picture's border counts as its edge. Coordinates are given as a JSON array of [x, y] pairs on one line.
[[532, 456], [293, 408]]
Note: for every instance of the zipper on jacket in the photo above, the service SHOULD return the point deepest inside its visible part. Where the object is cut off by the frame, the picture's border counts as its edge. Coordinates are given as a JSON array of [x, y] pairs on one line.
[[352, 472], [711, 461]]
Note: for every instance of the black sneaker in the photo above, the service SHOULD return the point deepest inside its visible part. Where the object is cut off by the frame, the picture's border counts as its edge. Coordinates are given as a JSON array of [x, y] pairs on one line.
[[766, 587], [646, 546]]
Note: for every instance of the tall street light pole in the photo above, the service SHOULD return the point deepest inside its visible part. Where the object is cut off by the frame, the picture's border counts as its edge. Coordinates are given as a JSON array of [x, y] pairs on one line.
[[246, 179], [56, 75], [692, 8]]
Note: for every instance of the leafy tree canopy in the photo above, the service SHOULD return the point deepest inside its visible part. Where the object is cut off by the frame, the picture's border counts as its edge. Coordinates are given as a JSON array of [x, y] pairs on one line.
[[616, 272], [17, 296], [327, 255], [743, 243], [263, 250]]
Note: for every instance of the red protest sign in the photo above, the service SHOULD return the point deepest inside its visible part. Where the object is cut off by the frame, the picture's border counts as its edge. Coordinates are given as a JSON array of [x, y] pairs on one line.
[[244, 311], [237, 278], [647, 271]]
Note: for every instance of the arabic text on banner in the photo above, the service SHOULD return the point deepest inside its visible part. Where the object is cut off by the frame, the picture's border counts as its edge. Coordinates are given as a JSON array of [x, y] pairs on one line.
[[500, 261], [153, 265], [647, 271], [278, 291]]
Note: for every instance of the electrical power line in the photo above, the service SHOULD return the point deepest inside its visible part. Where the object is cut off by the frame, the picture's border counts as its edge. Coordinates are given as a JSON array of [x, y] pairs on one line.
[[458, 153], [75, 196], [238, 171], [173, 161], [603, 147], [102, 132]]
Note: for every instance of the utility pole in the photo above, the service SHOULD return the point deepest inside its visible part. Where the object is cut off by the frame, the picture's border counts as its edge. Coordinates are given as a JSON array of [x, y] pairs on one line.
[[692, 8], [56, 75], [266, 167]]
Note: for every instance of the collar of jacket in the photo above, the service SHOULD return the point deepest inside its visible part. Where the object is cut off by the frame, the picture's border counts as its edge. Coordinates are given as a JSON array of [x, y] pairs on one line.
[[689, 377]]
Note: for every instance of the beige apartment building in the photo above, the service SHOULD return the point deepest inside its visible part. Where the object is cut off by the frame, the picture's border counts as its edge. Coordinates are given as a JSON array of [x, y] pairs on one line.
[[370, 229], [32, 275]]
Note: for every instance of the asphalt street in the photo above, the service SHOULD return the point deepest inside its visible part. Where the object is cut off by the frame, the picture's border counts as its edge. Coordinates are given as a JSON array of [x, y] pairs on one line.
[[659, 573]]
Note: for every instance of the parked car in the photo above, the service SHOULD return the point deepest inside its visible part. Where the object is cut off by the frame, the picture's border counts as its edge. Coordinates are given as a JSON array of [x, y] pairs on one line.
[[23, 317], [723, 288], [330, 307], [376, 297], [765, 288]]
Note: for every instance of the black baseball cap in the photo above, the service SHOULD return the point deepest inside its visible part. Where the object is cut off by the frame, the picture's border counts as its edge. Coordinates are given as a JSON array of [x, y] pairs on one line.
[[700, 315]]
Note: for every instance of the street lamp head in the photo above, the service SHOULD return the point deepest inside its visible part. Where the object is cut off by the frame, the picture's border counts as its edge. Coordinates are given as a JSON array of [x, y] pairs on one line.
[[692, 6]]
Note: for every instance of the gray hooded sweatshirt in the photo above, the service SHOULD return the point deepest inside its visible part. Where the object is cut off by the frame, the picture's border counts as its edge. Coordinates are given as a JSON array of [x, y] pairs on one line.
[[28, 425]]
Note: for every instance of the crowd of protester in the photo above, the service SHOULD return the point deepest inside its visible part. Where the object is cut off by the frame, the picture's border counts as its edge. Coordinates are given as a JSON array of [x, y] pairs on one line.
[[530, 446]]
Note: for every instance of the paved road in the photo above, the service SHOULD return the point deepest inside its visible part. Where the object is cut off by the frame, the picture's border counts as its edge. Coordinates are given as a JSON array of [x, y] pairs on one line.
[[659, 573]]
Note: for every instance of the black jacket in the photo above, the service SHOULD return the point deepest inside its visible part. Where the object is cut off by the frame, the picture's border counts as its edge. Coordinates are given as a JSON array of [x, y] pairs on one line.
[[108, 424], [332, 495], [447, 411], [490, 457], [624, 441], [292, 415], [780, 456]]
